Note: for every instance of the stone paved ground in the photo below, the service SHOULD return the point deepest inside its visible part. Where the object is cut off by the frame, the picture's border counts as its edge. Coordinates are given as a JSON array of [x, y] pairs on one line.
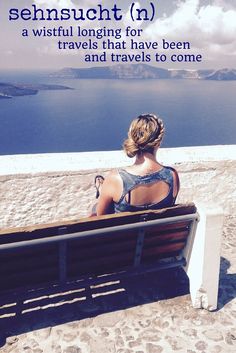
[[153, 315]]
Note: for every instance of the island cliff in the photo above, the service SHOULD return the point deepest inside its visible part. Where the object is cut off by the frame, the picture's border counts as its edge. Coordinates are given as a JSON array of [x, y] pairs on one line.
[[8, 90], [143, 71]]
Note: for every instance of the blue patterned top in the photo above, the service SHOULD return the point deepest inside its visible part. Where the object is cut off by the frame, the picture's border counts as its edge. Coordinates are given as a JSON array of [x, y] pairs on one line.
[[130, 181]]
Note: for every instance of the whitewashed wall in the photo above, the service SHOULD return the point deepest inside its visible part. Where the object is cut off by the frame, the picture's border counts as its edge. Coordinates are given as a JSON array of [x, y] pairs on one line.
[[46, 188]]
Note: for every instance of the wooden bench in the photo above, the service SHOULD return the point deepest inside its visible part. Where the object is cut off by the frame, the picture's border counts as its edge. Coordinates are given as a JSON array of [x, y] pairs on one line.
[[85, 251]]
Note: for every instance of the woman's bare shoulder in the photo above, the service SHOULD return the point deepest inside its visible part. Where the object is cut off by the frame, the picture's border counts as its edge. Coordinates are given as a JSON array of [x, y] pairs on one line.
[[112, 175], [111, 178], [175, 179]]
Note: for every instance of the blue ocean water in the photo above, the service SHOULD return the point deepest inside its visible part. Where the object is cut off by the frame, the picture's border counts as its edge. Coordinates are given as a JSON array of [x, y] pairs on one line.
[[96, 114]]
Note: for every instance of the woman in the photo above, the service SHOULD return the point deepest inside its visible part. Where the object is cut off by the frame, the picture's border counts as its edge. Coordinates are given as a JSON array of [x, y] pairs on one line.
[[146, 184]]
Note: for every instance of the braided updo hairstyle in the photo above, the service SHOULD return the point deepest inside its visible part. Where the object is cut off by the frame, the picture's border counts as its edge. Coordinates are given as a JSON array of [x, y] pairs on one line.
[[145, 134]]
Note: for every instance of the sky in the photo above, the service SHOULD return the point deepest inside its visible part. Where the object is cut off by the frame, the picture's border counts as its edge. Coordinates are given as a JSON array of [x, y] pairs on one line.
[[208, 25]]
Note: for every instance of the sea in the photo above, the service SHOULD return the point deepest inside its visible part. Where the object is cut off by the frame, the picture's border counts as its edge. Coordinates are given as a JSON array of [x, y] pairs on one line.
[[96, 114]]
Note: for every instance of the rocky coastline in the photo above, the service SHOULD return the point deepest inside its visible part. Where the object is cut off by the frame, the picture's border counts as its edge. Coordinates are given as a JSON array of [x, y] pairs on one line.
[[8, 90], [144, 71]]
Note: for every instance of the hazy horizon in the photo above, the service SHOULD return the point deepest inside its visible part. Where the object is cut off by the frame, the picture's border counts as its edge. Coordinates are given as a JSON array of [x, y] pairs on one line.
[[51, 69]]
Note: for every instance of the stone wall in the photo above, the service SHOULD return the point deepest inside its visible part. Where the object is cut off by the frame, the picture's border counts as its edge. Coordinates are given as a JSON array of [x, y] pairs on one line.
[[46, 188]]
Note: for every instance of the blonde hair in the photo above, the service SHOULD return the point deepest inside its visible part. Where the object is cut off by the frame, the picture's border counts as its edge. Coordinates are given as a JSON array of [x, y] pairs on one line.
[[145, 134]]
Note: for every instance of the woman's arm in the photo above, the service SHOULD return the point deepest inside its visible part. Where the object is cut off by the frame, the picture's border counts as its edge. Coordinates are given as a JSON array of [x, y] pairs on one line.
[[105, 200], [176, 185]]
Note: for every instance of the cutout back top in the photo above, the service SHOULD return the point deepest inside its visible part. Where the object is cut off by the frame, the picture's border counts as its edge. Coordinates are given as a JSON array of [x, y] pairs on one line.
[[131, 181]]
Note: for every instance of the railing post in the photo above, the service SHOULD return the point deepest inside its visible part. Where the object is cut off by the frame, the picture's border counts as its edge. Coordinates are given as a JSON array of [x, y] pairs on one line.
[[140, 242], [62, 257], [203, 264]]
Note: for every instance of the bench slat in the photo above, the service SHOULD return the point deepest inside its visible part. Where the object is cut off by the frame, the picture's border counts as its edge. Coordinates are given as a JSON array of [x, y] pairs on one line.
[[44, 230]]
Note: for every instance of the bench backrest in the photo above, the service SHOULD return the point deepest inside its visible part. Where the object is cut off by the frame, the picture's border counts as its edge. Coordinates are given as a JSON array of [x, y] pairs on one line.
[[60, 252]]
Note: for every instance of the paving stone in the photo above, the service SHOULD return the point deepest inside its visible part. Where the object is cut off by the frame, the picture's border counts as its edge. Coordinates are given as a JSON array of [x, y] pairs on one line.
[[176, 343], [145, 323], [57, 349], [27, 349], [153, 348], [8, 350], [233, 313], [192, 333], [105, 333], [38, 350], [201, 345], [85, 323], [98, 345], [151, 334], [72, 349], [118, 331], [135, 343], [111, 320], [159, 323], [201, 321], [69, 336], [119, 341], [33, 343], [216, 349], [214, 335], [44, 333], [230, 339], [85, 337]]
